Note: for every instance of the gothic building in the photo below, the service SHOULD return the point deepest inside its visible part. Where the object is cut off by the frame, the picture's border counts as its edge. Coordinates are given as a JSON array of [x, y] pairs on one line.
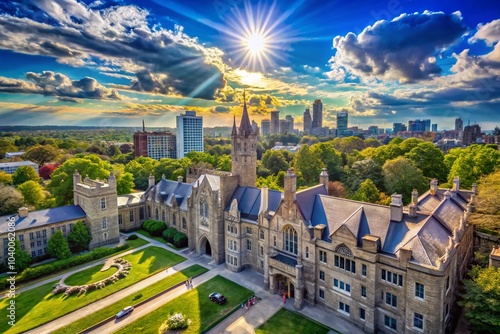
[[387, 269]]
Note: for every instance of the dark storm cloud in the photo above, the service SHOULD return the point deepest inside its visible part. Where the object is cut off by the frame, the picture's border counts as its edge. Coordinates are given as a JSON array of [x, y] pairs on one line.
[[402, 49]]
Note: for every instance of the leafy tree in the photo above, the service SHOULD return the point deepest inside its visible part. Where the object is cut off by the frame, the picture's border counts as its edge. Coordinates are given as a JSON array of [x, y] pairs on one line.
[[482, 301], [429, 159], [362, 170], [202, 157], [41, 154], [23, 174], [58, 246], [6, 146], [408, 144], [367, 192], [23, 259], [224, 163], [401, 176], [308, 164], [5, 178], [10, 200], [372, 142], [47, 170], [382, 153], [488, 199], [274, 161], [32, 193], [349, 144], [308, 140], [90, 165], [126, 148], [79, 237], [337, 189], [472, 163], [172, 168], [330, 157], [141, 168], [124, 183]]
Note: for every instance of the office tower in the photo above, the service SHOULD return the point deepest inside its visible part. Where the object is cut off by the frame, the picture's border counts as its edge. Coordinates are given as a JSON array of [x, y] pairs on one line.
[[373, 130], [418, 125], [307, 121], [156, 144], [434, 127], [459, 124], [265, 126], [275, 122], [255, 127], [397, 127], [289, 124], [317, 121], [283, 127], [189, 133], [471, 134], [342, 121]]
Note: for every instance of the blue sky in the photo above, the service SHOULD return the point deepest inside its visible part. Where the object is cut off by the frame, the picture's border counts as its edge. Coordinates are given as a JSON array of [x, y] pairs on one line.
[[114, 63]]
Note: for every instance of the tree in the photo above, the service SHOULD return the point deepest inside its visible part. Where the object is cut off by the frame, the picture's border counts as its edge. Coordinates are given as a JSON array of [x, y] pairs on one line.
[[429, 159], [308, 164], [171, 168], [126, 148], [79, 237], [274, 161], [331, 158], [5, 178], [482, 301], [23, 259], [367, 192], [47, 170], [58, 246], [10, 200], [488, 199], [32, 193], [337, 189], [362, 170], [6, 146], [409, 144], [349, 144], [472, 163], [124, 183], [41, 154], [141, 168], [23, 174], [382, 153], [90, 165], [224, 163], [401, 176], [372, 142]]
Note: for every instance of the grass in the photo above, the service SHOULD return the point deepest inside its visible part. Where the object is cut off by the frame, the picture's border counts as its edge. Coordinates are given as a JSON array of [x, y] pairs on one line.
[[138, 297], [202, 312], [38, 306], [90, 275], [159, 239], [285, 321]]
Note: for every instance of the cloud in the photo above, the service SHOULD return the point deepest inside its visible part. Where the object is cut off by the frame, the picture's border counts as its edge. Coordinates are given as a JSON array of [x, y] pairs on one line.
[[49, 83], [403, 49], [489, 33]]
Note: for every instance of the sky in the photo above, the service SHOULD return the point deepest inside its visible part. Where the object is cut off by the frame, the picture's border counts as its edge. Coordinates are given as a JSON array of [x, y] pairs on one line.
[[116, 63]]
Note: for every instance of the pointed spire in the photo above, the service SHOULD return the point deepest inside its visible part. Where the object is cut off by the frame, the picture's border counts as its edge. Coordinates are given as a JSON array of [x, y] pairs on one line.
[[234, 131], [143, 126], [245, 125]]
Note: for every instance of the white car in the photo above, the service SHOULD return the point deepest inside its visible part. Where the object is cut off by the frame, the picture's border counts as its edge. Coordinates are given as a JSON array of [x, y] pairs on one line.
[[124, 312]]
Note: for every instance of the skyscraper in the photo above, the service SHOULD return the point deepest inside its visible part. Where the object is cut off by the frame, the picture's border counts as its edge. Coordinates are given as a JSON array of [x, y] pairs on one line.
[[471, 134], [275, 122], [156, 144], [265, 126], [397, 127], [189, 133], [459, 124], [289, 124], [342, 121], [317, 121], [307, 121], [419, 125]]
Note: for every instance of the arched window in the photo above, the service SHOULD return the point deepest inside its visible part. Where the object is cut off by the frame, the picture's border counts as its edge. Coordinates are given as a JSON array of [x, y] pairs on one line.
[[149, 211], [156, 214], [291, 240], [203, 209], [184, 223], [174, 219], [163, 216], [103, 203]]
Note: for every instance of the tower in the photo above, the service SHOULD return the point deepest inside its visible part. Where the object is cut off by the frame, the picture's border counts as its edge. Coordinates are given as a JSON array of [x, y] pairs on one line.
[[189, 133], [307, 121], [244, 150], [317, 117]]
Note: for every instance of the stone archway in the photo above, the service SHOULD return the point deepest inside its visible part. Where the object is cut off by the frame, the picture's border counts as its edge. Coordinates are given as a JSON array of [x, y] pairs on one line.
[[205, 247], [284, 284]]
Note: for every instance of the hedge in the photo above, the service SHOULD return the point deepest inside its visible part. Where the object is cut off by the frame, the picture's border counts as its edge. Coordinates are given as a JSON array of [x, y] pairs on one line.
[[175, 237], [154, 227]]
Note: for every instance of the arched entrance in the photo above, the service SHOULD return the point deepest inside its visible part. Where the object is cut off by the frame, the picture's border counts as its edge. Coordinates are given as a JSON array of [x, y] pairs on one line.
[[285, 285], [205, 247]]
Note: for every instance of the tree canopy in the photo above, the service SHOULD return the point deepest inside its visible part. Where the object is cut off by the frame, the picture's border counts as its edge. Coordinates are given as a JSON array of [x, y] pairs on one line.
[[141, 168], [274, 161], [58, 246], [23, 259], [429, 159], [307, 164], [5, 178], [401, 176], [32, 193], [23, 174], [367, 192], [472, 163], [41, 154], [10, 200], [79, 237]]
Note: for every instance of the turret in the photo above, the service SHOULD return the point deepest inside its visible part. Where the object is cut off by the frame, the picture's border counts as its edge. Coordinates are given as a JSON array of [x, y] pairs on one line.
[[323, 178]]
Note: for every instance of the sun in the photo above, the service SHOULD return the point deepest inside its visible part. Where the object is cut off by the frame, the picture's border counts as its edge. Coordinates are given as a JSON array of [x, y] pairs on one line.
[[255, 44]]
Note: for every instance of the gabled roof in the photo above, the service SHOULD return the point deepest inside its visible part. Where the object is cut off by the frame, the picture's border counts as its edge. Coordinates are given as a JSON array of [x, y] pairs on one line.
[[249, 201], [305, 200], [130, 199], [166, 191], [43, 217]]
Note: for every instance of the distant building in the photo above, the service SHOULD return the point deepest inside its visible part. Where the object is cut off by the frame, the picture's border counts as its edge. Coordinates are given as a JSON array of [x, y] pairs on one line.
[[397, 127], [459, 124], [265, 126], [10, 155], [307, 121], [471, 134], [11, 167], [434, 127], [275, 122], [342, 121], [373, 130], [447, 144], [189, 133], [283, 127], [255, 127], [317, 121], [156, 144], [289, 124], [419, 125]]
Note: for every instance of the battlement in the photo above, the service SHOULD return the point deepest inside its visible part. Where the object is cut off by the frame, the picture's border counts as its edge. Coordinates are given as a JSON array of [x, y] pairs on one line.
[[94, 187], [193, 173]]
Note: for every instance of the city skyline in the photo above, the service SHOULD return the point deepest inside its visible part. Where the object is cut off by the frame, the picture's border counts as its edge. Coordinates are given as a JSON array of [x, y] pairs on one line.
[[115, 63]]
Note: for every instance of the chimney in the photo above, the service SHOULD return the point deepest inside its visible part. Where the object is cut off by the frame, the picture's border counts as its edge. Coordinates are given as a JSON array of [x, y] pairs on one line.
[[456, 184], [264, 199], [112, 180], [318, 231], [412, 210], [474, 189], [77, 178], [290, 188], [179, 179], [163, 176], [151, 181], [323, 178], [434, 187], [404, 255], [396, 207], [414, 196], [23, 212], [447, 194]]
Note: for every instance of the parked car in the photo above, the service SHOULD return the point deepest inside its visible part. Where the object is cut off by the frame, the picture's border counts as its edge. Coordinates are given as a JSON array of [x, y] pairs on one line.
[[124, 312], [217, 297]]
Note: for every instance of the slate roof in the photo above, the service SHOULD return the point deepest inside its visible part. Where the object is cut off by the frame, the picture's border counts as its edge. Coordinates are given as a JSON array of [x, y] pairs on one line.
[[167, 191], [43, 217], [249, 201], [130, 199], [305, 200]]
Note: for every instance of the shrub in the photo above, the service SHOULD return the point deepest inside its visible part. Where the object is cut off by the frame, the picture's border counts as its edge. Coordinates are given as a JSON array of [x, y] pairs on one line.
[[132, 237], [175, 321], [180, 240], [157, 228], [169, 234]]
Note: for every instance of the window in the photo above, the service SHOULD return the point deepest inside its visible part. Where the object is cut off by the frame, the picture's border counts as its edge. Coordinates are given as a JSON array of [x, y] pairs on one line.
[[341, 285], [149, 211], [418, 321], [141, 213], [103, 203], [203, 209], [64, 228], [120, 219], [232, 260], [32, 244], [390, 322], [32, 236], [344, 308], [447, 283], [249, 230], [321, 293], [22, 247], [21, 238], [104, 222], [38, 234], [52, 230], [232, 229], [261, 235], [232, 245], [249, 244], [163, 216], [322, 256], [345, 264], [131, 215], [322, 275], [363, 270], [291, 240], [391, 277], [363, 291], [184, 223], [157, 216], [419, 290], [391, 299], [261, 251], [362, 313], [274, 241], [39, 243], [70, 228], [33, 253], [174, 219], [307, 252], [39, 252]]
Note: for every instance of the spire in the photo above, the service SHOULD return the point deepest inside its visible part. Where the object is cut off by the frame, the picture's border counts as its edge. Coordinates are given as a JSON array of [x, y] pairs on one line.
[[234, 131], [143, 126], [245, 125]]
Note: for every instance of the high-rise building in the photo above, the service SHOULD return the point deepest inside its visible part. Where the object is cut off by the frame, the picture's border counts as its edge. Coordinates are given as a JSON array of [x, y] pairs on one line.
[[156, 144], [189, 133], [397, 127], [418, 125], [434, 127], [265, 126], [283, 126], [255, 127], [275, 122], [459, 124], [317, 121], [289, 124], [307, 121], [471, 134], [373, 130], [342, 121]]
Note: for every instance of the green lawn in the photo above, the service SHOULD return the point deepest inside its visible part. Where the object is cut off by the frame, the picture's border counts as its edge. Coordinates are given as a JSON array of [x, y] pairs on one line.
[[159, 239], [196, 305], [285, 321], [38, 306], [137, 297], [90, 275]]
